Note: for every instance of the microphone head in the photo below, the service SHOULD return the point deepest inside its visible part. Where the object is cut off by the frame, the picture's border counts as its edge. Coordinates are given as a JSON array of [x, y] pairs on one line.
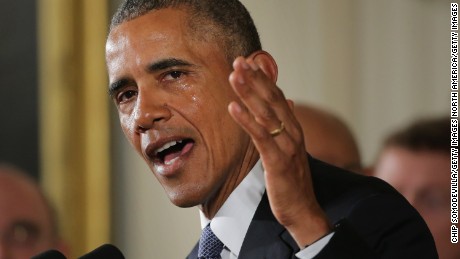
[[104, 251], [50, 254]]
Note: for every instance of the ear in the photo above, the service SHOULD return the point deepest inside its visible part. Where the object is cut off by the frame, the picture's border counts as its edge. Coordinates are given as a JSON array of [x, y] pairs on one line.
[[266, 62], [290, 104]]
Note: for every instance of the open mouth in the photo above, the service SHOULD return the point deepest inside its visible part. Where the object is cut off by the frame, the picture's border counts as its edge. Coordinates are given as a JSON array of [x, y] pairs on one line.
[[170, 151]]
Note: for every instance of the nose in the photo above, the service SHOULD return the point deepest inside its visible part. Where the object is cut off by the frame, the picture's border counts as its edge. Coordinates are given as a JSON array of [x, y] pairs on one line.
[[150, 109]]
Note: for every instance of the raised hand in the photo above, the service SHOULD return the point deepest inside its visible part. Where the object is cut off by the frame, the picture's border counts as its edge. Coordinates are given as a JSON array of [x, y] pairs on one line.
[[265, 114]]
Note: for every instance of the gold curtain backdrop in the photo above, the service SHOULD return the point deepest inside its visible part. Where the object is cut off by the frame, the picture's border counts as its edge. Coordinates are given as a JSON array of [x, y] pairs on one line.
[[74, 118]]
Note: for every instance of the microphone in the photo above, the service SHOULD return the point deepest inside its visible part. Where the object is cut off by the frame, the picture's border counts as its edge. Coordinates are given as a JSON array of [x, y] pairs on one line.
[[104, 251], [50, 254]]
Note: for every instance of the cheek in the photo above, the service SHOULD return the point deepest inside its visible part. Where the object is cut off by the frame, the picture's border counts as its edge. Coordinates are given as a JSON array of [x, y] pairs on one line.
[[128, 127], [389, 177], [209, 108], [438, 226]]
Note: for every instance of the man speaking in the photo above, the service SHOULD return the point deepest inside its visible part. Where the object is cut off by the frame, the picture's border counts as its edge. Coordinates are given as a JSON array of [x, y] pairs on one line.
[[197, 98]]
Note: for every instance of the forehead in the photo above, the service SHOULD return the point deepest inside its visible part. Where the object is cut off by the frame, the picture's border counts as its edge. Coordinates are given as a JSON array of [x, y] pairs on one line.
[[159, 34], [154, 27], [20, 199], [402, 165]]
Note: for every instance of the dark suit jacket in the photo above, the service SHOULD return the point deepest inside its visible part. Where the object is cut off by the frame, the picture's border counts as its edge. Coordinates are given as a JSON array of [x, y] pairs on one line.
[[372, 220]]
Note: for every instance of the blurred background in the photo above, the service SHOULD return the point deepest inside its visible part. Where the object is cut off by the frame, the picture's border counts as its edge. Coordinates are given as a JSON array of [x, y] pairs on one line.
[[376, 64]]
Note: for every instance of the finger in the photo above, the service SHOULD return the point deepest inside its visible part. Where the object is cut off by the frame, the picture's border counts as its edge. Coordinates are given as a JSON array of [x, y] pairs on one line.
[[271, 110], [260, 109], [264, 142], [265, 88]]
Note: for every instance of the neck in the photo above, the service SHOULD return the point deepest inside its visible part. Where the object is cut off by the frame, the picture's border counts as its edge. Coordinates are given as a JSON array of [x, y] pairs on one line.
[[212, 206]]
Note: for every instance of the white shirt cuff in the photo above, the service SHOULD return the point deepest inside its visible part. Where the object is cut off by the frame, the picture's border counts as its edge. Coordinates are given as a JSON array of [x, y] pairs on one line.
[[313, 249]]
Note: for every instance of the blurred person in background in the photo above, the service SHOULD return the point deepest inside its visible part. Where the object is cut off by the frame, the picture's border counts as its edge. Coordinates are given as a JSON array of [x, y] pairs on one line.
[[328, 138], [28, 224], [416, 161]]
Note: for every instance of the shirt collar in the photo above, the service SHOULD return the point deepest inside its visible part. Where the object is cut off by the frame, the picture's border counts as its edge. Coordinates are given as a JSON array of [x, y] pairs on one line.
[[234, 217]]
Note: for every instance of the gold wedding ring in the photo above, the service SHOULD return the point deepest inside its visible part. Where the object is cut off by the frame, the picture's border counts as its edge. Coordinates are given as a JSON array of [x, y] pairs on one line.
[[277, 131]]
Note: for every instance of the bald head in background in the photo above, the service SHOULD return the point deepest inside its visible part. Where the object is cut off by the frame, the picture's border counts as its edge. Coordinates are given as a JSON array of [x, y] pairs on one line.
[[27, 222], [328, 138]]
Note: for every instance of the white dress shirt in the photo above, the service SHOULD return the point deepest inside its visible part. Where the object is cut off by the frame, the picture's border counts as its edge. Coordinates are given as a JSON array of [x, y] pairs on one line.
[[231, 222]]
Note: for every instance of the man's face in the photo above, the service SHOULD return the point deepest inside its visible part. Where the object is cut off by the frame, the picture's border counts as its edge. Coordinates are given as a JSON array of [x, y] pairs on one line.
[[172, 93], [423, 177], [25, 222]]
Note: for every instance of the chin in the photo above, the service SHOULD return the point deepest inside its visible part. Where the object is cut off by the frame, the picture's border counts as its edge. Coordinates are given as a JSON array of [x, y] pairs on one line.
[[184, 203], [185, 198]]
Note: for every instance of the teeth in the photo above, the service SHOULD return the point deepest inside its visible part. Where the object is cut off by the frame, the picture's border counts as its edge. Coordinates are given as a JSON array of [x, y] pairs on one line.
[[167, 145]]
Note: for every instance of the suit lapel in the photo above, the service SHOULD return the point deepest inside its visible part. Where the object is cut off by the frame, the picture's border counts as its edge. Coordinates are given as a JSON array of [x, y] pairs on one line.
[[194, 253], [266, 238]]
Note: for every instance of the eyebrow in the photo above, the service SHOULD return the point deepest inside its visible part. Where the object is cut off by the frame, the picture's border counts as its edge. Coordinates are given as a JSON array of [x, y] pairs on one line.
[[167, 63], [117, 85], [151, 68]]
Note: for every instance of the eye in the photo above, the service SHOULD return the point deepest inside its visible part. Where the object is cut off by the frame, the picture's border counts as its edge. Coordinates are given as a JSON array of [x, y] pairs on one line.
[[125, 96], [23, 234], [173, 75]]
